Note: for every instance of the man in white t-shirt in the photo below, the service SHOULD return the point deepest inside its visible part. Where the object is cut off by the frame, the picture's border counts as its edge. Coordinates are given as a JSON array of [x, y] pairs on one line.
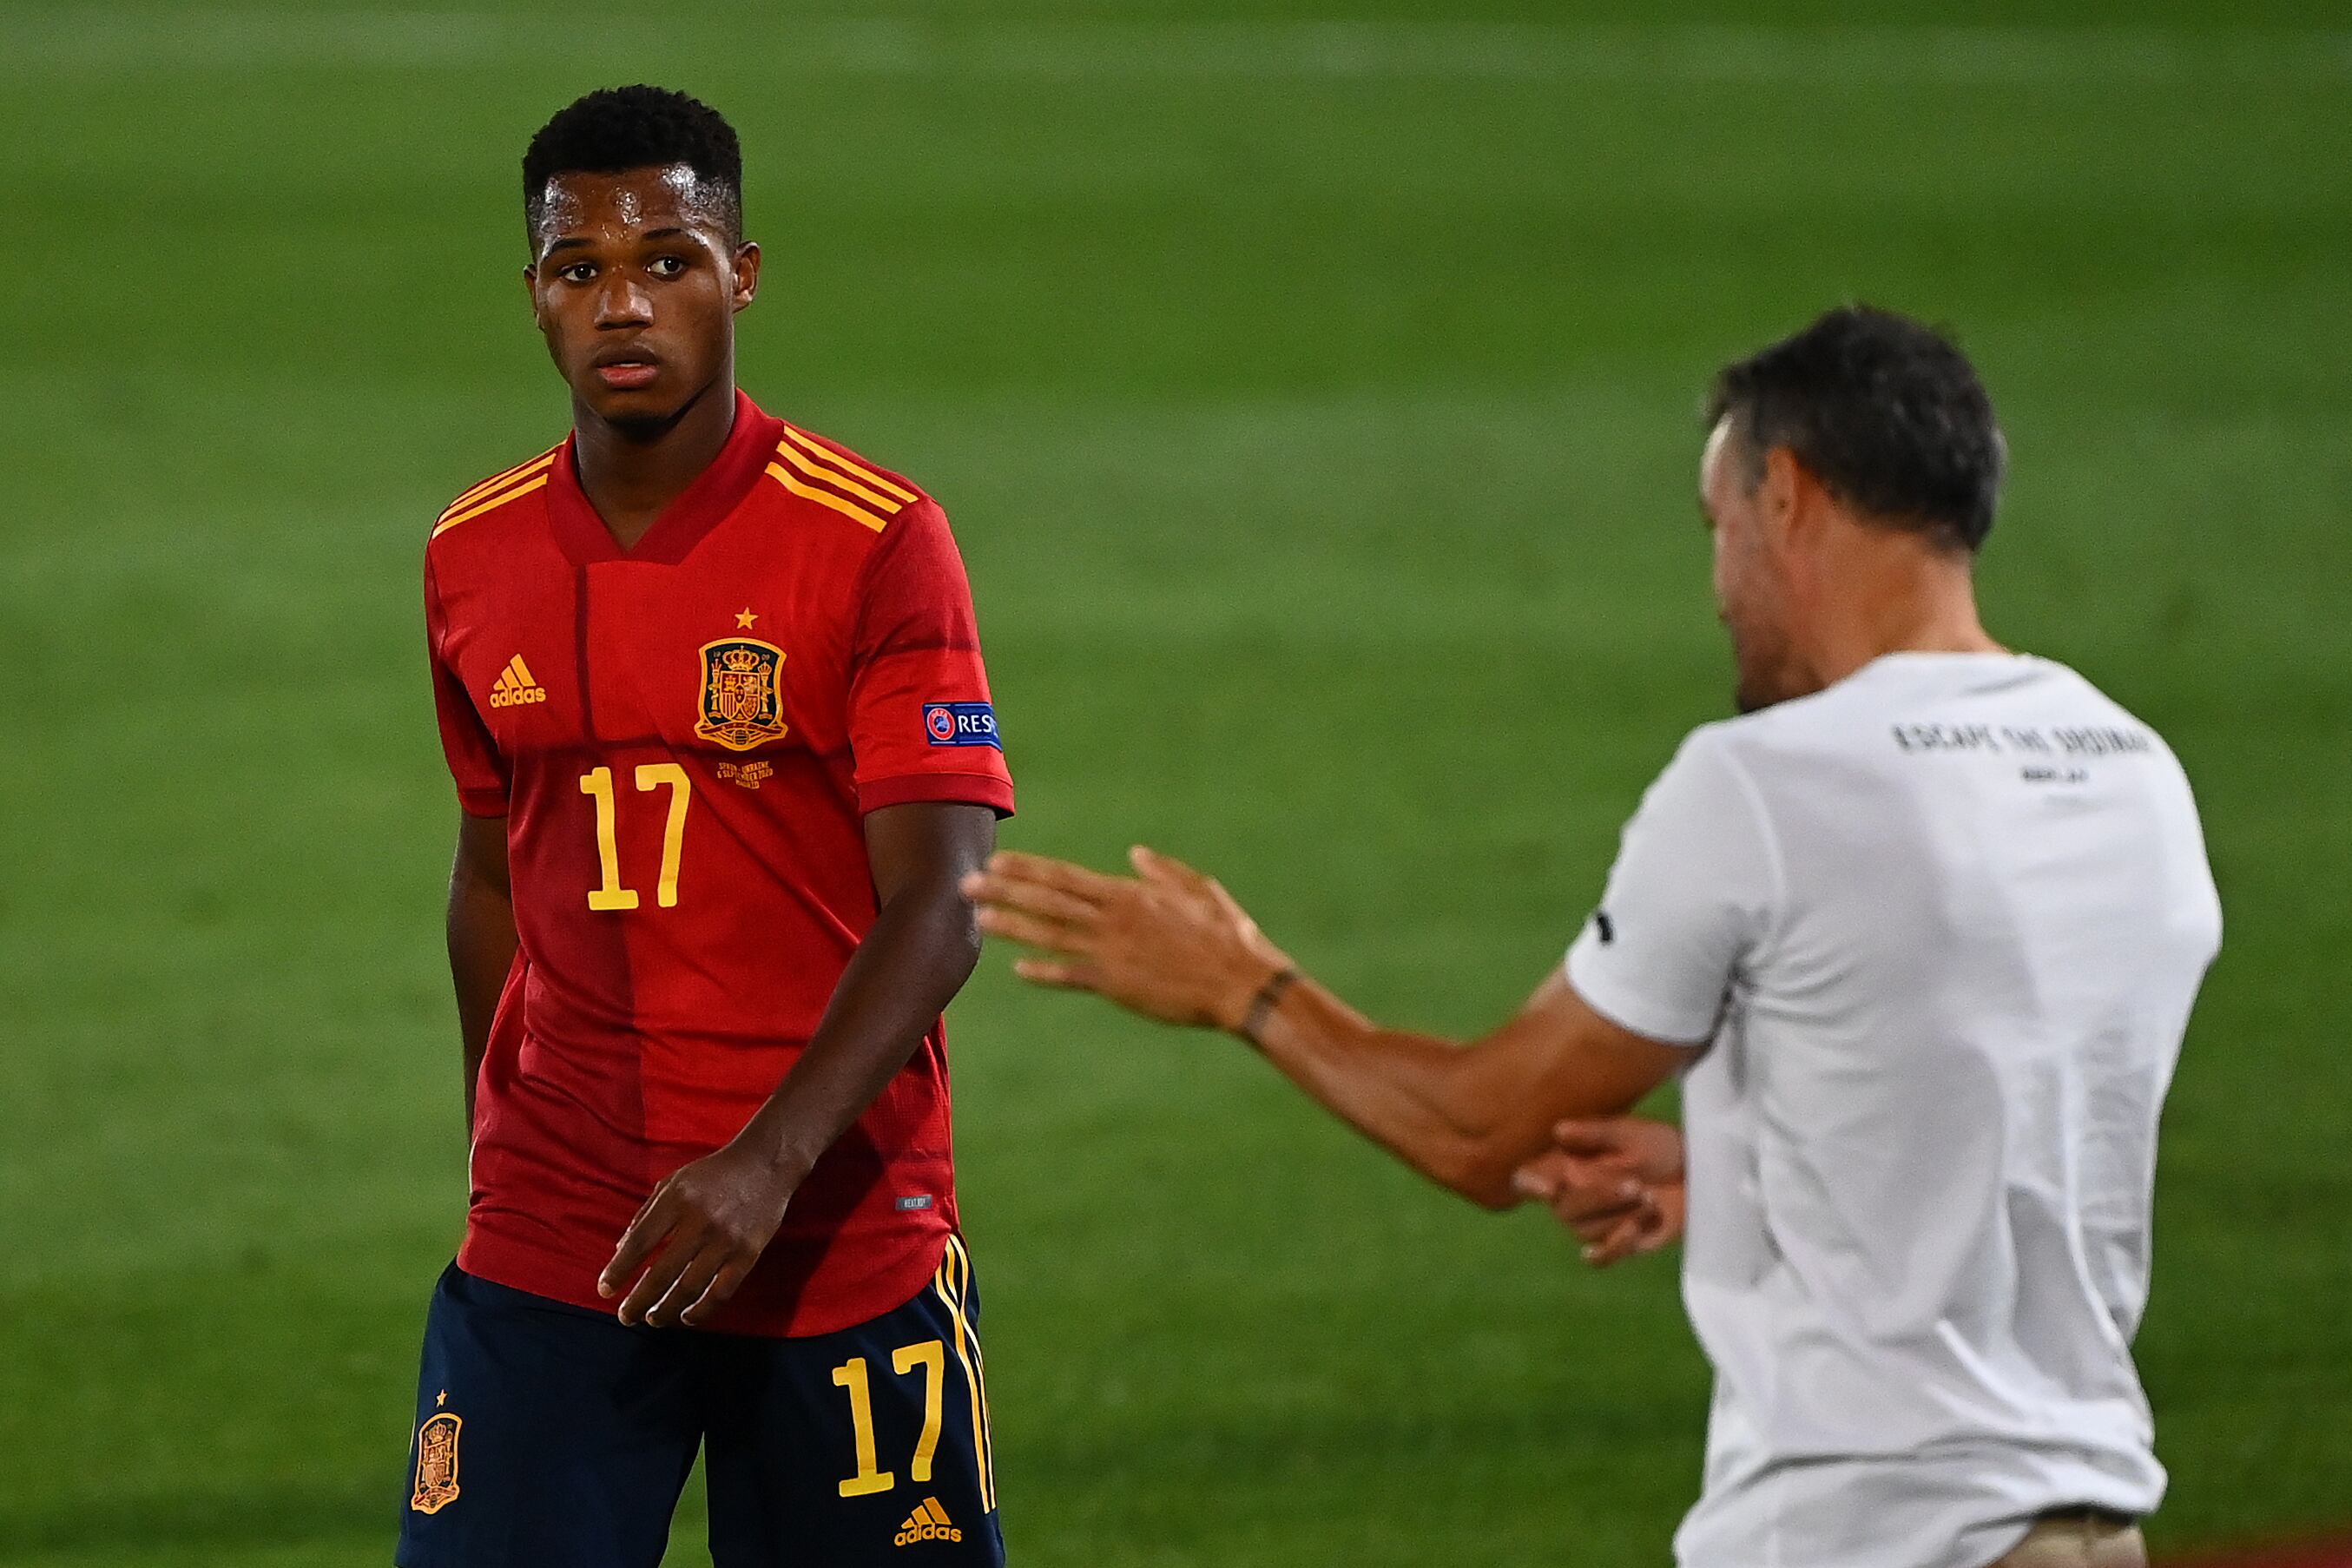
[[1919, 931]]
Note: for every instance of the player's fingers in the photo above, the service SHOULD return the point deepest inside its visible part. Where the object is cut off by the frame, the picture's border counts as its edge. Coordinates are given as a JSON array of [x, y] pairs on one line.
[[1590, 1138], [1599, 1225], [1171, 873], [1070, 878], [1059, 973], [1544, 1177], [1166, 870], [1535, 1180], [1587, 1204], [1051, 935], [721, 1287], [1622, 1241], [1577, 1188], [1651, 1229], [1655, 1232], [692, 1281], [1033, 898], [1667, 1218], [661, 1274], [645, 1233]]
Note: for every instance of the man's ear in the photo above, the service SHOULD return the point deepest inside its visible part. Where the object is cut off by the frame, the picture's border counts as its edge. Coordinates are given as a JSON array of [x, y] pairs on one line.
[[747, 273], [1782, 499]]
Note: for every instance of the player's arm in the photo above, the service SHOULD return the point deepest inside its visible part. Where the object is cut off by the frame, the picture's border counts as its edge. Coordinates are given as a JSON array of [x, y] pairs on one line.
[[710, 1220], [481, 929], [480, 923], [1172, 944], [920, 951]]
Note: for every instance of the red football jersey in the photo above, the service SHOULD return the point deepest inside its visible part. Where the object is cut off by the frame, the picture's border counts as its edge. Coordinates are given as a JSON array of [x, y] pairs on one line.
[[683, 738]]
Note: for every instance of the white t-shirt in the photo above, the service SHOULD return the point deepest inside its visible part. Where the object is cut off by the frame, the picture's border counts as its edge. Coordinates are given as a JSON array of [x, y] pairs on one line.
[[1937, 929]]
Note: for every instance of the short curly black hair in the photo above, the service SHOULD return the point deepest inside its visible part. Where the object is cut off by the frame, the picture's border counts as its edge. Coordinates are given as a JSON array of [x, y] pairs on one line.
[[1885, 412], [619, 128]]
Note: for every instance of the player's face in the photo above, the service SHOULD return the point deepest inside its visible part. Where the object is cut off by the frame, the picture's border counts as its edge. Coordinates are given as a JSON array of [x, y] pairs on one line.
[[635, 282], [1749, 592]]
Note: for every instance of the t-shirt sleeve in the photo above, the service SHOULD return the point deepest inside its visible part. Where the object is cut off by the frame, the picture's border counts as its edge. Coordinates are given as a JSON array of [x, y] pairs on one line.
[[466, 744], [922, 724], [1692, 895]]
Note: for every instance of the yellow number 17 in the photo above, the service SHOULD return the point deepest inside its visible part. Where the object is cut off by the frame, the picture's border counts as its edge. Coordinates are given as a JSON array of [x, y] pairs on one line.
[[598, 782], [931, 1356]]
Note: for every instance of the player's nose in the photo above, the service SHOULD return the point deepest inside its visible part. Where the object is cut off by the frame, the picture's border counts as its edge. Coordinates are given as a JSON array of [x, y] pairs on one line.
[[623, 302]]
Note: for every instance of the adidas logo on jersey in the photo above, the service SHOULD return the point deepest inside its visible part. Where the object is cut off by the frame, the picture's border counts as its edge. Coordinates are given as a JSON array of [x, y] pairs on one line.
[[515, 686], [928, 1523]]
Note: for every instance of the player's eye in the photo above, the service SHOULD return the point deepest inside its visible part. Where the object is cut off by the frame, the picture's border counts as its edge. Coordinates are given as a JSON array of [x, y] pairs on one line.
[[578, 272], [668, 266]]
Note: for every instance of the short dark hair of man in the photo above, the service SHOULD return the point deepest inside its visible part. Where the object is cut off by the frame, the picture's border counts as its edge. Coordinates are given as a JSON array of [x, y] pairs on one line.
[[616, 129], [1888, 414]]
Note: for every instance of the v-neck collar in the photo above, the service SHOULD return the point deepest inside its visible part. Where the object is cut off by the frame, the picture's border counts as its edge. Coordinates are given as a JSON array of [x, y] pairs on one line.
[[695, 511]]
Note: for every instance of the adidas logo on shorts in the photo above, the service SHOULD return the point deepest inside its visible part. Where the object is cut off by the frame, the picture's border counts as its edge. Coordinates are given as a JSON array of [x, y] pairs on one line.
[[928, 1523]]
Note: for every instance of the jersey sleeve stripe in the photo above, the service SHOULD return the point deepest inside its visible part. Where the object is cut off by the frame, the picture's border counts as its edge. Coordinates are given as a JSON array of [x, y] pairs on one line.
[[519, 472], [790, 455], [483, 492], [826, 455], [451, 520], [848, 509]]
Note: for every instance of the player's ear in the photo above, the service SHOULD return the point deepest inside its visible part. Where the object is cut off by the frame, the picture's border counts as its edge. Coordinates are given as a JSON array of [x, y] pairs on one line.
[[1781, 497], [747, 273]]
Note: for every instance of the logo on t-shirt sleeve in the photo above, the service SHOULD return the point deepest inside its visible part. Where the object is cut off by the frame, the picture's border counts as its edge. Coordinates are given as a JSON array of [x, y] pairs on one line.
[[960, 725], [1603, 927]]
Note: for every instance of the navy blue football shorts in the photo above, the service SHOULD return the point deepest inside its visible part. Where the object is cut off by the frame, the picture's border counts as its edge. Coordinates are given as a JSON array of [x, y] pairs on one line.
[[552, 1437]]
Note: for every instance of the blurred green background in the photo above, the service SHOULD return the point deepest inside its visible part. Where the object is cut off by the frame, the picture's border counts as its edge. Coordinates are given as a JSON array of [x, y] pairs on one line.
[[1314, 387]]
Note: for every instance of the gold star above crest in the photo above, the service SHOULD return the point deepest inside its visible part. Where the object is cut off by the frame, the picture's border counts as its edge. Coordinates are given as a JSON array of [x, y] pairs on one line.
[[440, 1399], [744, 618]]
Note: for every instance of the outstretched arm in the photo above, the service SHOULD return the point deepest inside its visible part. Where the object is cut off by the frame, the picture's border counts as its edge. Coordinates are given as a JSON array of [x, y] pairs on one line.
[[1172, 944]]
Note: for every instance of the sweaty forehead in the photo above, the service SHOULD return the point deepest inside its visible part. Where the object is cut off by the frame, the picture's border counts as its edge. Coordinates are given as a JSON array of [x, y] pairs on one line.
[[670, 197]]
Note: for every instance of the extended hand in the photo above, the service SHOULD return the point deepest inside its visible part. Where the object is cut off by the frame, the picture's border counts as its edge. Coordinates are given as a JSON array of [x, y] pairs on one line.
[[1168, 942], [1617, 1183], [710, 1220]]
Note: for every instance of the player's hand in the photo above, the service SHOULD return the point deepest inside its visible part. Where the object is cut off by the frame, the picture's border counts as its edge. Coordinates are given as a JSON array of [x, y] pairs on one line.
[[704, 1227], [1616, 1182], [1168, 942]]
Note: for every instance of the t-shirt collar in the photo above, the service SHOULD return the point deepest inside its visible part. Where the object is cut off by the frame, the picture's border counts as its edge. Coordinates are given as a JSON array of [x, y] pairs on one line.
[[702, 506]]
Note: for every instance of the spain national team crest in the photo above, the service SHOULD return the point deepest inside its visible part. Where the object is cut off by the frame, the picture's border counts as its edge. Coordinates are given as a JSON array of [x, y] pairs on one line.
[[437, 1463], [742, 693]]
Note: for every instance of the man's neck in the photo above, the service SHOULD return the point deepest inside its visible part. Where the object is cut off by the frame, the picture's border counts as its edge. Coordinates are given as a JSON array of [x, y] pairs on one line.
[[1899, 598], [630, 476]]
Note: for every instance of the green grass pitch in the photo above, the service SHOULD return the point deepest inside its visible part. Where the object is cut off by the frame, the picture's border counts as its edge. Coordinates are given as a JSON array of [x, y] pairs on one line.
[[1313, 383]]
